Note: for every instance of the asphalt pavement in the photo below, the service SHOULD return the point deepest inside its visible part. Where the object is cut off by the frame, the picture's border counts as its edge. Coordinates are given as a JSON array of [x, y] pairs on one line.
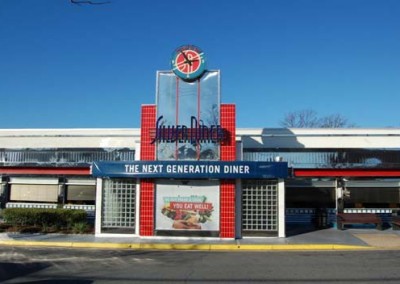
[[298, 238]]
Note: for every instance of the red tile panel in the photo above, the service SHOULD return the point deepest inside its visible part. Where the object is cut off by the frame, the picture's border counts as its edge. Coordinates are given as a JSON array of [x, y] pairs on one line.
[[227, 187], [147, 153], [148, 121], [228, 123], [146, 207], [227, 218]]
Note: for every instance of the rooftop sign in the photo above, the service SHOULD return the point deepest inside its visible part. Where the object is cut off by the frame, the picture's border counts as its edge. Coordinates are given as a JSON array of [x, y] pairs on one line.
[[195, 133], [188, 62]]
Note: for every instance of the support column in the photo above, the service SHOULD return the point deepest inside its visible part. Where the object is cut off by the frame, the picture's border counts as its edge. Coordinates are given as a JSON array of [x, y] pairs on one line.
[[339, 196], [4, 191], [99, 201], [238, 211], [138, 190], [227, 201], [281, 209], [228, 187], [147, 187], [238, 194]]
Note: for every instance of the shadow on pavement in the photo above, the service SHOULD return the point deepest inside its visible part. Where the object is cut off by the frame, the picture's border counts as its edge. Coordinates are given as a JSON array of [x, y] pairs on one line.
[[12, 270], [61, 281], [299, 229]]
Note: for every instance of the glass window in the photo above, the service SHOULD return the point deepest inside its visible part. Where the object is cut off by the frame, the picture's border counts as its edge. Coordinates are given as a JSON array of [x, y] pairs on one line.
[[34, 192], [118, 206], [260, 206], [81, 193], [188, 114]]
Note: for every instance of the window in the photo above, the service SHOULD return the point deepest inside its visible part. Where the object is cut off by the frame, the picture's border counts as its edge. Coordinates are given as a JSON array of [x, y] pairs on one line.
[[260, 206], [34, 190], [118, 206]]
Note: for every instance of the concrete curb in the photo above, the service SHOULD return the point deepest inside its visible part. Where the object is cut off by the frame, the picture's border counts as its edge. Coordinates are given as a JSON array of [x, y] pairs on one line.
[[203, 247]]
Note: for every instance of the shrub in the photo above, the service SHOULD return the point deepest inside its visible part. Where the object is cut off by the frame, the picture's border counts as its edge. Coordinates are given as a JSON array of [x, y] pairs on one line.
[[4, 227], [80, 228], [18, 216], [43, 218], [29, 230]]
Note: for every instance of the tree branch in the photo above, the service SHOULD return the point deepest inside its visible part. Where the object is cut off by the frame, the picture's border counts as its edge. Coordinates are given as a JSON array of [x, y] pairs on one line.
[[79, 2], [309, 119]]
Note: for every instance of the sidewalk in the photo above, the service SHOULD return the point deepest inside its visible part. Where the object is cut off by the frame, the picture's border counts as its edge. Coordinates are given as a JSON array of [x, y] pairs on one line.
[[297, 239]]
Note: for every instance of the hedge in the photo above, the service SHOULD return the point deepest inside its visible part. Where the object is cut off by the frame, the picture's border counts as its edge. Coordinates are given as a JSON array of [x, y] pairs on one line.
[[61, 218]]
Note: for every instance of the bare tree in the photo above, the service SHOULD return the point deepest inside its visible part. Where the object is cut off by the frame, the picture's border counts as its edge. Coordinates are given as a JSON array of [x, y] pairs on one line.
[[335, 121], [300, 119], [309, 119]]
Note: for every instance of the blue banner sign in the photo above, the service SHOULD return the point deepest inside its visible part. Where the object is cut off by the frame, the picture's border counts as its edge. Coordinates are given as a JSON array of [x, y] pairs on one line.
[[191, 169]]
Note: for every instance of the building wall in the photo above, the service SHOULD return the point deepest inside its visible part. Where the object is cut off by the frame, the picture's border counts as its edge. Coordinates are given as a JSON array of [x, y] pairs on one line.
[[68, 138], [250, 137], [314, 138]]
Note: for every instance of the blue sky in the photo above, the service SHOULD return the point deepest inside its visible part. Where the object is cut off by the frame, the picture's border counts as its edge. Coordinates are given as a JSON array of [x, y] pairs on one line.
[[93, 66]]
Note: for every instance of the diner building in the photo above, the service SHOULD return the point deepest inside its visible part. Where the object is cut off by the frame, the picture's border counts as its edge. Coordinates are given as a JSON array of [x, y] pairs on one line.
[[359, 167], [188, 171]]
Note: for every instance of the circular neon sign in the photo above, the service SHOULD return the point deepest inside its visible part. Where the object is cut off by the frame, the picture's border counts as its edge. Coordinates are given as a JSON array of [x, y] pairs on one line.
[[188, 62]]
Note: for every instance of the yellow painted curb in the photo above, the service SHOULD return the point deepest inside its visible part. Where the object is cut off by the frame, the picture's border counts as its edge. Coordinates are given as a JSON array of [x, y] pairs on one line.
[[273, 247], [34, 243], [203, 247], [164, 246]]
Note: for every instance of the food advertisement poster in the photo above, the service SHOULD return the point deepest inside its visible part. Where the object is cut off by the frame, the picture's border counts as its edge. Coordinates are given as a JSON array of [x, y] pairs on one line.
[[190, 206]]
